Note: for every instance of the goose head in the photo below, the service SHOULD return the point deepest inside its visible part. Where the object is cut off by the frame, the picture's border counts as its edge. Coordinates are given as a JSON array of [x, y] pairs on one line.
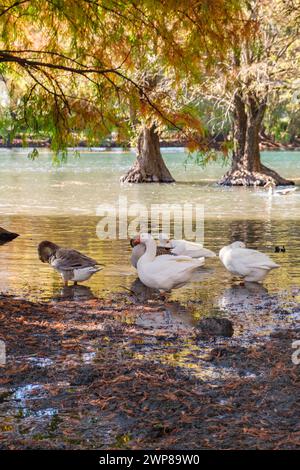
[[270, 185], [46, 249], [237, 244], [147, 240], [140, 238], [143, 238], [138, 249], [133, 241], [232, 246], [164, 240]]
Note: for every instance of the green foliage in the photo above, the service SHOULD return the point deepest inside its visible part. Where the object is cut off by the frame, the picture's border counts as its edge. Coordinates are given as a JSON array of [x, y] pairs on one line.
[[78, 70], [261, 68], [203, 158], [82, 67]]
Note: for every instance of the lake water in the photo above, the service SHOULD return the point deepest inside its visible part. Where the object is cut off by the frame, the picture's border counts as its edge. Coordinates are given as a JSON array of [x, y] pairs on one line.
[[40, 201]]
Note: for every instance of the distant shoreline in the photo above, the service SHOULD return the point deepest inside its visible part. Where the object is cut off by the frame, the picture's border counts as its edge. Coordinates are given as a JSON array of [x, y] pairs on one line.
[[264, 145]]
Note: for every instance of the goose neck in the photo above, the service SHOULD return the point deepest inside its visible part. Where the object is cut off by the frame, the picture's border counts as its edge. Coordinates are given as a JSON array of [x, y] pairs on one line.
[[150, 252]]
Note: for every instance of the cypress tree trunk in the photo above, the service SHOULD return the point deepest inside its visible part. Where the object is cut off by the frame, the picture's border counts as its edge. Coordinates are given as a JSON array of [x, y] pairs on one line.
[[149, 166], [246, 167]]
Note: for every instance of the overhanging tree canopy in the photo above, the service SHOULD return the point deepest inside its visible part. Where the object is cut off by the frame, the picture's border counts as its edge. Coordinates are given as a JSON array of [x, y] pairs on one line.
[[75, 61]]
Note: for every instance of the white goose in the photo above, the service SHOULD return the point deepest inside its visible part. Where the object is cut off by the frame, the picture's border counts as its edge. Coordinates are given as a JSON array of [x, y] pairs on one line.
[[281, 192], [252, 265], [164, 272], [185, 248]]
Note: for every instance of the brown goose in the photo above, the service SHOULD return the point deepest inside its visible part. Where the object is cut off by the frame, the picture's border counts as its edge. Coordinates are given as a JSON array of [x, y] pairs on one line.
[[6, 236], [71, 264], [138, 249]]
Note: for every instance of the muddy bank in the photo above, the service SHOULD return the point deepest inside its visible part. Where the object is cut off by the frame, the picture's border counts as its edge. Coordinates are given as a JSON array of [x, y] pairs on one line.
[[131, 373]]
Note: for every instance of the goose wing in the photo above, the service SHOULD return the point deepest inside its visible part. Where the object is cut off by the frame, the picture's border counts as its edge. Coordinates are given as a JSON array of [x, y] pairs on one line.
[[174, 269], [283, 192], [243, 259], [168, 264], [192, 249], [68, 259], [197, 253], [179, 247]]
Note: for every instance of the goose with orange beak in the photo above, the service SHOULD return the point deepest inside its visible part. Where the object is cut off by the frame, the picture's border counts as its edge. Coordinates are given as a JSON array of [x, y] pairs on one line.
[[164, 272]]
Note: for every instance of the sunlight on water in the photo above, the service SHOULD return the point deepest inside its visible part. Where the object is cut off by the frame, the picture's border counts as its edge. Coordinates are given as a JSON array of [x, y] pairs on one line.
[[23, 274]]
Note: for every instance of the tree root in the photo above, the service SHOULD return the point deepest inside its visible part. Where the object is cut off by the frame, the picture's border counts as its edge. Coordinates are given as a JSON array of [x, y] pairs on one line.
[[243, 177], [137, 175], [149, 166]]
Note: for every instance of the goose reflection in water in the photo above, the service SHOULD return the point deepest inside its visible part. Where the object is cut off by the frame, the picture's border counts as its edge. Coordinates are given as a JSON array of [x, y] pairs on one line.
[[245, 295], [141, 292], [78, 293], [173, 317]]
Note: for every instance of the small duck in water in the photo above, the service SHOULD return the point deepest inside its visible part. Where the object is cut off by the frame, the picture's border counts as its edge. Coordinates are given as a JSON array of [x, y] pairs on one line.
[[6, 236], [71, 264], [280, 249]]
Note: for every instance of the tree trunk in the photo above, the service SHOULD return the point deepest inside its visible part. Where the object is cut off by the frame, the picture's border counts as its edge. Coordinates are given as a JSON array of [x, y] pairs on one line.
[[246, 168], [149, 166]]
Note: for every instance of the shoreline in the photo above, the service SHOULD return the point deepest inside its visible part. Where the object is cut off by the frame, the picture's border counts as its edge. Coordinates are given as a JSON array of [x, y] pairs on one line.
[[264, 146], [130, 373]]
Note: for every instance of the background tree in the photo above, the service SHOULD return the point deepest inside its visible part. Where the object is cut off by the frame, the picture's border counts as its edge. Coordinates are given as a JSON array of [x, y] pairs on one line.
[[184, 41], [171, 111], [77, 61], [69, 67], [282, 120], [149, 165], [243, 84]]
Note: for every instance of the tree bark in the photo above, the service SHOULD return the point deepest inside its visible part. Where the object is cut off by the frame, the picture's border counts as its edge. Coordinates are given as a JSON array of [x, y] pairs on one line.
[[246, 167], [149, 166]]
